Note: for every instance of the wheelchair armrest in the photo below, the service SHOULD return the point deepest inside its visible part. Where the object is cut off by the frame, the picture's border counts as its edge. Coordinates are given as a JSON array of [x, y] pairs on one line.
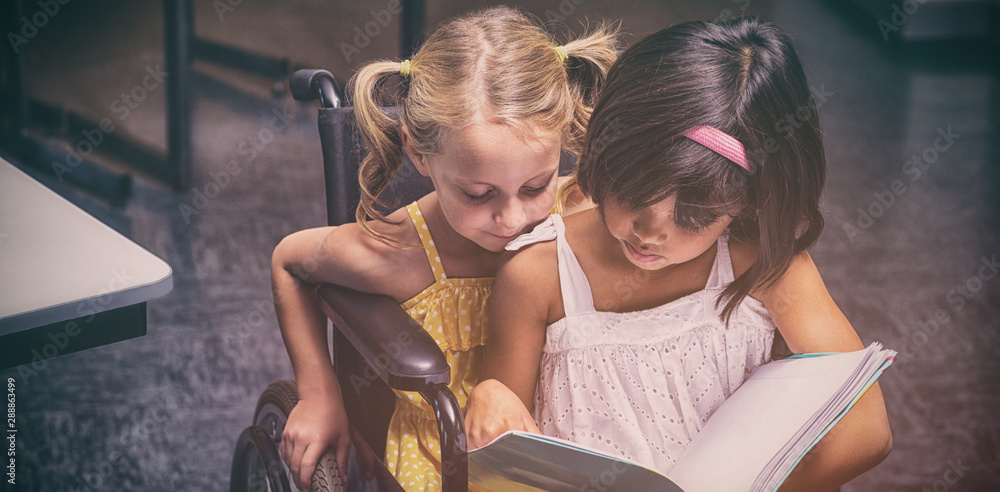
[[395, 346], [406, 358]]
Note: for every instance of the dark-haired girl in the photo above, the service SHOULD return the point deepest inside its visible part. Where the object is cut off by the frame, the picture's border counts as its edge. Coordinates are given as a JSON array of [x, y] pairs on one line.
[[625, 326]]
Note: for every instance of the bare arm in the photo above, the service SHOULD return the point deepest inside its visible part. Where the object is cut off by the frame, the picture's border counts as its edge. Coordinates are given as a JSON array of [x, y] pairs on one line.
[[810, 321], [319, 421], [345, 256], [518, 313]]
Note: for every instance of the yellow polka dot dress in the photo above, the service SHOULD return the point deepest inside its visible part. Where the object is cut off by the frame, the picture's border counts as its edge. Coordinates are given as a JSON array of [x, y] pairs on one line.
[[453, 311]]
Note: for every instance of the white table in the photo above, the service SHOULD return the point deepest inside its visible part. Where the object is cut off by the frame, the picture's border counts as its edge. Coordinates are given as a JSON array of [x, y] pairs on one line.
[[67, 281]]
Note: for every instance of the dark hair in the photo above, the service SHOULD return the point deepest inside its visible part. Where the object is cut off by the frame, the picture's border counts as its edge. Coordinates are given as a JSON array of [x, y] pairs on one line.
[[743, 77]]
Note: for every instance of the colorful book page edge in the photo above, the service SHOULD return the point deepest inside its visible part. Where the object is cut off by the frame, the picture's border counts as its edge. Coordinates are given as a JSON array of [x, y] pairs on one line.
[[871, 380]]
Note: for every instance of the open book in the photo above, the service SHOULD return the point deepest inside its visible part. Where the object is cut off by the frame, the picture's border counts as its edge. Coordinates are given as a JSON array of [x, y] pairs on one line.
[[751, 442]]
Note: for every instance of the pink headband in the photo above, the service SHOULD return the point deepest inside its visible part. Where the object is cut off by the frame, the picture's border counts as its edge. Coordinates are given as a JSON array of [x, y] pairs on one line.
[[721, 143]]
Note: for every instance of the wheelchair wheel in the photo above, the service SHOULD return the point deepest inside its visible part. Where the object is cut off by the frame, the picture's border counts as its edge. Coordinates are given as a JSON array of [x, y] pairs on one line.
[[256, 464], [272, 411]]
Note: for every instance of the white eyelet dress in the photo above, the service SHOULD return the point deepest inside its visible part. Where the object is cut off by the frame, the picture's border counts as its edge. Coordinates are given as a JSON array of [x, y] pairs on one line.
[[641, 384]]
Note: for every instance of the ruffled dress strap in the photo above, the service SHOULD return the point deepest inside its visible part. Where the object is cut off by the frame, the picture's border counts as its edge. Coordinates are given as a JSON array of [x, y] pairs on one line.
[[722, 269], [573, 284], [437, 268]]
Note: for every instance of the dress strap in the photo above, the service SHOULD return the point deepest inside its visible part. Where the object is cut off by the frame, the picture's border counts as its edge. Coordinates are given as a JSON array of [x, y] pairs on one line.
[[437, 268], [573, 284], [722, 269]]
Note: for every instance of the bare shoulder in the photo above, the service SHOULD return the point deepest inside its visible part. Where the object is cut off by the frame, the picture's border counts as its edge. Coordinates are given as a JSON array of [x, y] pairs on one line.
[[534, 262], [801, 276], [582, 220], [803, 310], [397, 267], [347, 255], [530, 279], [352, 238]]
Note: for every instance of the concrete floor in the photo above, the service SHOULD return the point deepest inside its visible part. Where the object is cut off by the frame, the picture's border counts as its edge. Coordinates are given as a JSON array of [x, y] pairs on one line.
[[162, 412]]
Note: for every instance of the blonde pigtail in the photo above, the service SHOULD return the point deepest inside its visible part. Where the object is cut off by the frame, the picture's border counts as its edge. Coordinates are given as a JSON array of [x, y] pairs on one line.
[[563, 193], [589, 59], [381, 135]]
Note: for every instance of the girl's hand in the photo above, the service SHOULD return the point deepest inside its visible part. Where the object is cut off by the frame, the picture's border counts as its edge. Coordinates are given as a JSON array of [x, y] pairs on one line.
[[317, 423], [492, 410]]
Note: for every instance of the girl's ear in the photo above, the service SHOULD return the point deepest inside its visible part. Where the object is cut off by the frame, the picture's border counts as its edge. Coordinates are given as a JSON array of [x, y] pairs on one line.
[[415, 157]]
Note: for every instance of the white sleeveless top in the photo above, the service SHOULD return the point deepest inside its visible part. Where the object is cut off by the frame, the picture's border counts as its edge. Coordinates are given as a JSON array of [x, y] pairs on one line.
[[641, 384]]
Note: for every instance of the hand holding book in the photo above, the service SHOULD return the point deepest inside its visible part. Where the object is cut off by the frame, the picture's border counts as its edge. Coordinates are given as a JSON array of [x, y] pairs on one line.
[[497, 409], [759, 434]]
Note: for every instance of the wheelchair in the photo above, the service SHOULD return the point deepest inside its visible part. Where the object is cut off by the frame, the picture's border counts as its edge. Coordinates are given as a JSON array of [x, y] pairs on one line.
[[365, 336]]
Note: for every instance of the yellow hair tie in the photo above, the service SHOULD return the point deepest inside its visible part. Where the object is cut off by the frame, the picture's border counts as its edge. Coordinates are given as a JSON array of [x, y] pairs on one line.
[[561, 53], [404, 68]]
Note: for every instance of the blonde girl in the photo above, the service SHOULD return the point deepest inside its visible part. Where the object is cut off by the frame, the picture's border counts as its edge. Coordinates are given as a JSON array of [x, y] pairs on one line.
[[485, 107]]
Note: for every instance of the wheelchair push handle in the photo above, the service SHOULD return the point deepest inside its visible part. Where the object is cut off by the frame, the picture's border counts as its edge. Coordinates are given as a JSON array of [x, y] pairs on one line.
[[308, 84]]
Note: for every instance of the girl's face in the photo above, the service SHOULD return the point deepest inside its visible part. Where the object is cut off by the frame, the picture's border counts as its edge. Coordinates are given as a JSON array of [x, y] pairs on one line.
[[651, 239], [493, 184]]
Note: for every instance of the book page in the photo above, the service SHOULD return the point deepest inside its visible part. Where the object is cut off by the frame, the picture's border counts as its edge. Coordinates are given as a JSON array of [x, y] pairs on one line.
[[762, 417], [520, 461]]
